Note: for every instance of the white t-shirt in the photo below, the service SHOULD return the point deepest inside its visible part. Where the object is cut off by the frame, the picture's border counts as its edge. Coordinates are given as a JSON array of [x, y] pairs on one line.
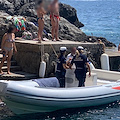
[[70, 72]]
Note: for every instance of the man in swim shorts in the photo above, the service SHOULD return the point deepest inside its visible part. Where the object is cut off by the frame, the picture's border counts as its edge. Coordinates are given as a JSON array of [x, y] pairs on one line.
[[55, 18]]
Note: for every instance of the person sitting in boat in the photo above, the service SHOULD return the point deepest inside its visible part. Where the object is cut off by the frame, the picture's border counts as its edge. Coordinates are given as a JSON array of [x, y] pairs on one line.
[[61, 67], [81, 61], [7, 46], [40, 18]]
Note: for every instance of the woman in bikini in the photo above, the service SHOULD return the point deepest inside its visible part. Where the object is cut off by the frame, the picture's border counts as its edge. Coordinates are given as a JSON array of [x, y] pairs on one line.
[[7, 46], [40, 13]]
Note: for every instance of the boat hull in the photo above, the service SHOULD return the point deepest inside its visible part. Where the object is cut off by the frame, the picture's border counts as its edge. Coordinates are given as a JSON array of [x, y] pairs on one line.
[[22, 99], [50, 106]]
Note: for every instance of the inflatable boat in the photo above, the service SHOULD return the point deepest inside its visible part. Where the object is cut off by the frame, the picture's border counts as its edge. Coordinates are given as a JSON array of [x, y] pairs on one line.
[[33, 96]]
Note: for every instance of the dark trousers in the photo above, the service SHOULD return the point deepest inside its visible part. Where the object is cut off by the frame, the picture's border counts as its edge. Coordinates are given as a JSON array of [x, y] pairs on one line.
[[81, 76], [61, 77]]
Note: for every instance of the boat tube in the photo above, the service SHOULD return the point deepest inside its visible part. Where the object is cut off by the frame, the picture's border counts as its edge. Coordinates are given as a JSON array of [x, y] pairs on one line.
[[24, 97]]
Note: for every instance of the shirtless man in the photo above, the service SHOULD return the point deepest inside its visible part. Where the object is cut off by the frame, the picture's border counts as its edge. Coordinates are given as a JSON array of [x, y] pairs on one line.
[[119, 48], [54, 16], [40, 18]]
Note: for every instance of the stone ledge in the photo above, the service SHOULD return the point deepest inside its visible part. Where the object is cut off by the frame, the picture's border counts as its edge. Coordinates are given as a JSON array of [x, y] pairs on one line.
[[29, 53]]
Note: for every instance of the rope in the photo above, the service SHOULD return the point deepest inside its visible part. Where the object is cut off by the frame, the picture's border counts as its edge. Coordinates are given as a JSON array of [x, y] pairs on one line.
[[42, 51], [54, 50]]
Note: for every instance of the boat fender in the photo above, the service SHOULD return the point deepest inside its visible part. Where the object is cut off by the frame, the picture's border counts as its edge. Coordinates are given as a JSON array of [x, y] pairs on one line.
[[105, 62], [42, 69]]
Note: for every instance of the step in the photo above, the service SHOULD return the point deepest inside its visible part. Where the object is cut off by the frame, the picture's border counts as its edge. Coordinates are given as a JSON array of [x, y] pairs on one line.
[[18, 76], [0, 51], [13, 63], [12, 68], [1, 56], [5, 63]]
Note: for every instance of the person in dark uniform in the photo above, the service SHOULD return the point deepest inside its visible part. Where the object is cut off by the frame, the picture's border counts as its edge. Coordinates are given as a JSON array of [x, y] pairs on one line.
[[61, 67], [81, 62]]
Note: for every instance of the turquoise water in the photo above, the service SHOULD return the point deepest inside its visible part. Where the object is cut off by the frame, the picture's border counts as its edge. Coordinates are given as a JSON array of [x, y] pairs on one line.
[[102, 18]]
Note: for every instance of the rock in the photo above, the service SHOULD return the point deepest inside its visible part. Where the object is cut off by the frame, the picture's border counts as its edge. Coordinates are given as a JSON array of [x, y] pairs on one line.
[[70, 14], [104, 40], [7, 7], [69, 24], [67, 30], [27, 8]]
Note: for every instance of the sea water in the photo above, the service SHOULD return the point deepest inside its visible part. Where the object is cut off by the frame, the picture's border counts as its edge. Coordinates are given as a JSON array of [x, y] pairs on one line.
[[105, 112], [100, 17]]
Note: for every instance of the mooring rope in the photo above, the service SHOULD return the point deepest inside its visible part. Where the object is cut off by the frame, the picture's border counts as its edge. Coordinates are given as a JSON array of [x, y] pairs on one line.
[[54, 50]]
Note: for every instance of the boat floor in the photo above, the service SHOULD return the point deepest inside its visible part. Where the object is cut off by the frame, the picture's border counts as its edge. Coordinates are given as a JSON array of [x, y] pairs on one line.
[[89, 83]]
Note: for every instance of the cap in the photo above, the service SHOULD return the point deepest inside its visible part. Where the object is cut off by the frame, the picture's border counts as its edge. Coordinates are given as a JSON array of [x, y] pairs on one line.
[[63, 49], [80, 48]]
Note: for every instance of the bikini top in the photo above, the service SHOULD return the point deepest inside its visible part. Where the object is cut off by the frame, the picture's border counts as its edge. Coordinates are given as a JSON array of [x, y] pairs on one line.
[[10, 40]]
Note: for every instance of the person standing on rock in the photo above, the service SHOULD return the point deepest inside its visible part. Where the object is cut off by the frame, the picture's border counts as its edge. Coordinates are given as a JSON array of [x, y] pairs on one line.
[[100, 42], [7, 46], [119, 47], [40, 18], [55, 18]]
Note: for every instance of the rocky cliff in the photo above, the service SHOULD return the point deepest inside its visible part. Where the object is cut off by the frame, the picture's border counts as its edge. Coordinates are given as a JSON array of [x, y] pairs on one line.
[[69, 24]]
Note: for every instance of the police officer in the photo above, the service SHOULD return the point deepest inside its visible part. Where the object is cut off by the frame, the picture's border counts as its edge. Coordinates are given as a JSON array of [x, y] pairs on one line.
[[61, 67], [81, 61]]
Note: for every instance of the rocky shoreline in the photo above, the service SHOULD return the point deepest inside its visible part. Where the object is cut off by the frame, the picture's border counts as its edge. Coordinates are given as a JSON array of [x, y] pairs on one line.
[[69, 24]]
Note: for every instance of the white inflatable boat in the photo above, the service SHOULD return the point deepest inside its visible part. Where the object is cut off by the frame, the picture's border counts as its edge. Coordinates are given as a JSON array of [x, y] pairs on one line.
[[24, 97]]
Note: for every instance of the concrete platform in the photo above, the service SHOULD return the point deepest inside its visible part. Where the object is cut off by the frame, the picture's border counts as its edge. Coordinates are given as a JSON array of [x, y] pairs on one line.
[[18, 76], [63, 42], [111, 53], [29, 53]]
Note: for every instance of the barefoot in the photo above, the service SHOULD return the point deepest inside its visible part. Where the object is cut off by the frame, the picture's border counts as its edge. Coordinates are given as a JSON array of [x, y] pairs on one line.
[[53, 40], [9, 72], [1, 72], [58, 40], [39, 42]]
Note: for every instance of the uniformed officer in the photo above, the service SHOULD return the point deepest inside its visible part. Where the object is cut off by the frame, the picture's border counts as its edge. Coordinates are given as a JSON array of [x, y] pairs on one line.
[[61, 67], [81, 61]]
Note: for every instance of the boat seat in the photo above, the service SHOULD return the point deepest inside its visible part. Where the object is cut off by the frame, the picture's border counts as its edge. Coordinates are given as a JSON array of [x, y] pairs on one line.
[[48, 82]]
